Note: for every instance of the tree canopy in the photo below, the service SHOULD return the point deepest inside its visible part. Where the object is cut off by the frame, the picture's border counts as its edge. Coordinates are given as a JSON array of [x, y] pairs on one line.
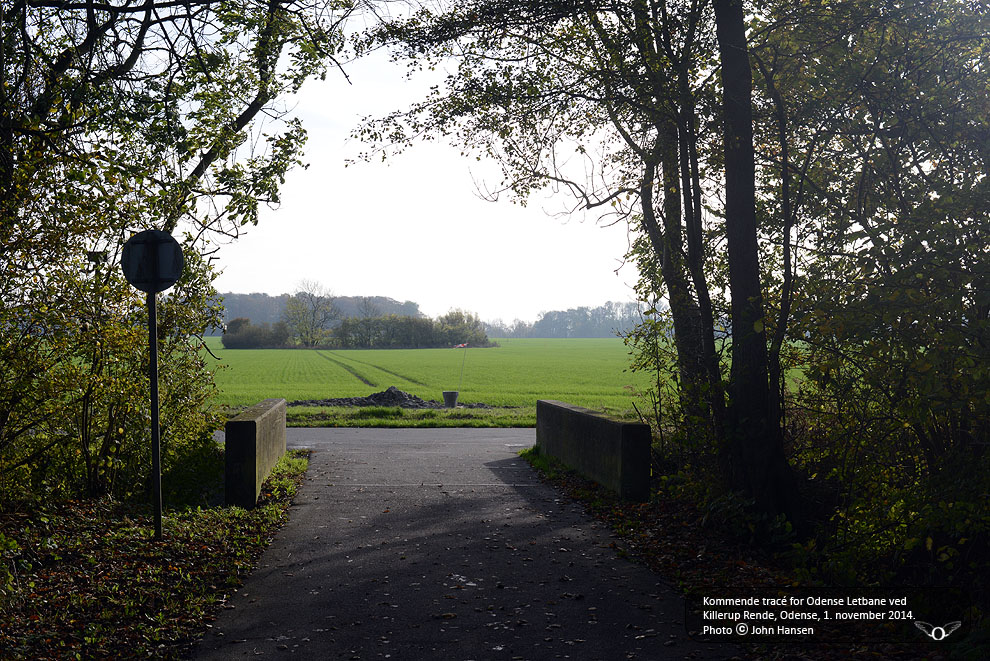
[[117, 117], [806, 187]]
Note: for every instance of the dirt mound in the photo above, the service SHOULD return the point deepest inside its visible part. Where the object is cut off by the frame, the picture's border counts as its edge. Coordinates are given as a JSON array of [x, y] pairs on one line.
[[389, 397]]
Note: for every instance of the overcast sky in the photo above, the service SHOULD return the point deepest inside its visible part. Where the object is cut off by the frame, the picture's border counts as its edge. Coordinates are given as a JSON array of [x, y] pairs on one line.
[[414, 228]]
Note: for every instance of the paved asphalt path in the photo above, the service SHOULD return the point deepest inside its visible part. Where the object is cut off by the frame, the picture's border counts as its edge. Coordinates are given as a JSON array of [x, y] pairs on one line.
[[421, 545]]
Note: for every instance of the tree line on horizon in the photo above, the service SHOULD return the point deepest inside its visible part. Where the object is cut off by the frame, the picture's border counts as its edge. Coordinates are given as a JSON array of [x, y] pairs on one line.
[[266, 311], [611, 319], [314, 317], [262, 308], [381, 332]]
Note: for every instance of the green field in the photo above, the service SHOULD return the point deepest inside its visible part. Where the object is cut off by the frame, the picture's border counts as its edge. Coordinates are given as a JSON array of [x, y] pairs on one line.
[[586, 372]]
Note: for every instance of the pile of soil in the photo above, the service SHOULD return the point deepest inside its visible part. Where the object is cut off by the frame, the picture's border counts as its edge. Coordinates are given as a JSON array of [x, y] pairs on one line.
[[390, 397]]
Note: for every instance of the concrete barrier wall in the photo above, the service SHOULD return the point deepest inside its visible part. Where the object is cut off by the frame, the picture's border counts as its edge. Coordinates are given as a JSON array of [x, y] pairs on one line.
[[614, 454], [254, 442]]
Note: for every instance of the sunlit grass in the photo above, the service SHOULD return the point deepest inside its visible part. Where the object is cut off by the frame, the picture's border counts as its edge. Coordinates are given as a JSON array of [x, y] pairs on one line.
[[586, 372], [377, 416]]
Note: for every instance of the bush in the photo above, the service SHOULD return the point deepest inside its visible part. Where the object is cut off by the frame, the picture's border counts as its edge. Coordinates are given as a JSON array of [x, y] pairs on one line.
[[403, 332], [75, 405], [242, 334]]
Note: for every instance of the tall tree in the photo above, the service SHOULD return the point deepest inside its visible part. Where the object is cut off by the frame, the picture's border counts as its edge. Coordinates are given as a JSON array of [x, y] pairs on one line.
[[754, 453], [873, 135], [310, 312], [855, 215], [881, 113]]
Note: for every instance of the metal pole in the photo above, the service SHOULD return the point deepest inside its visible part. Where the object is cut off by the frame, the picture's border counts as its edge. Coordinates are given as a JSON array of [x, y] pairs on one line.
[[156, 463]]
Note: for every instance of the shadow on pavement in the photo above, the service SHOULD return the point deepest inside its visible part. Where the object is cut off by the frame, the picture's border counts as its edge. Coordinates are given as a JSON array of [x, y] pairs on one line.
[[498, 566]]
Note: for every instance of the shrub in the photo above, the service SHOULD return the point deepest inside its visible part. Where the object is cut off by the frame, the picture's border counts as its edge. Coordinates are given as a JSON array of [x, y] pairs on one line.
[[76, 408], [242, 334]]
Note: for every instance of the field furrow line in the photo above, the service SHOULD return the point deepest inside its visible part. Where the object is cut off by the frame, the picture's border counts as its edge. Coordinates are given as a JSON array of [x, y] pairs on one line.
[[395, 374], [357, 375]]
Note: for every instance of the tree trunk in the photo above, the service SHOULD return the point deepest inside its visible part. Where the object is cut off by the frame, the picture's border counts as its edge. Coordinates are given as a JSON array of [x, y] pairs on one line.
[[691, 191], [777, 383], [666, 241], [753, 455], [683, 304]]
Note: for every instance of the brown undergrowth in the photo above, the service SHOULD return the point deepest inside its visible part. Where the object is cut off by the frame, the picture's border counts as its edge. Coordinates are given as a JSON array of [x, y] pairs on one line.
[[673, 536], [87, 579]]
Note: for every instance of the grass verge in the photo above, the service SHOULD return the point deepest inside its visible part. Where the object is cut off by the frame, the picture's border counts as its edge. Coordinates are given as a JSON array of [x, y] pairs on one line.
[[381, 416], [87, 579]]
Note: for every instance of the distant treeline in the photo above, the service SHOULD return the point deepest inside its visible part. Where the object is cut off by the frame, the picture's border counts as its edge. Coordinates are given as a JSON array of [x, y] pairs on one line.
[[264, 309], [379, 332], [403, 332], [606, 320]]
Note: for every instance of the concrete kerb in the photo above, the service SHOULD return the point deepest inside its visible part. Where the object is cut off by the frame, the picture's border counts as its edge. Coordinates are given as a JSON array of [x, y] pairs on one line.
[[614, 454], [254, 441]]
